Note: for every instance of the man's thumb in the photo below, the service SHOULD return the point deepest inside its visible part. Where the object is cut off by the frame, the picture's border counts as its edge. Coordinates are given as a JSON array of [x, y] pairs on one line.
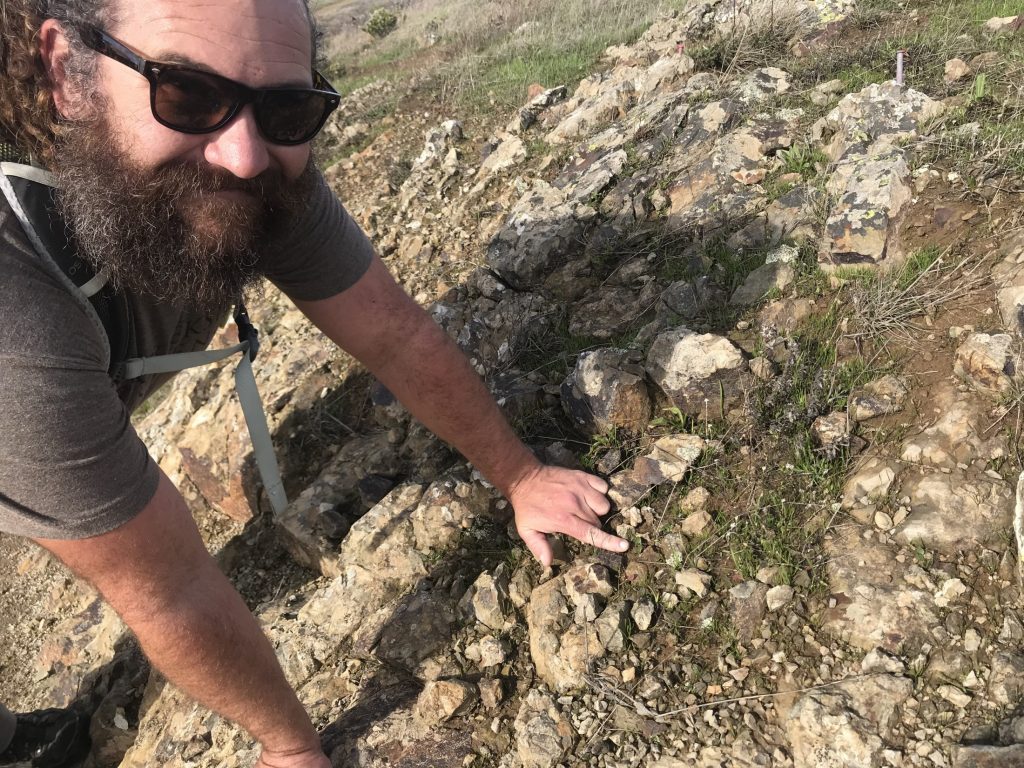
[[539, 545]]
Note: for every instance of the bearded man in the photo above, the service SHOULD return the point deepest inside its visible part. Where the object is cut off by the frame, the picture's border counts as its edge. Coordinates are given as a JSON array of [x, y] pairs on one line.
[[178, 135]]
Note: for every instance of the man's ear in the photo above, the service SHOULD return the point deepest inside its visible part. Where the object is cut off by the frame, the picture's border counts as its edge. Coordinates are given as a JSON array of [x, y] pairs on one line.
[[54, 50]]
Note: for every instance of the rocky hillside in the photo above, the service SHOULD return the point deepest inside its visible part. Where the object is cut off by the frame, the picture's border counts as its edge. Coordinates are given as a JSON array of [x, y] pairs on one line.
[[778, 307]]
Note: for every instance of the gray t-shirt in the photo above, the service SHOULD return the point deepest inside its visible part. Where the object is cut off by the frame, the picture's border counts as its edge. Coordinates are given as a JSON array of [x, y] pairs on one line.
[[71, 464]]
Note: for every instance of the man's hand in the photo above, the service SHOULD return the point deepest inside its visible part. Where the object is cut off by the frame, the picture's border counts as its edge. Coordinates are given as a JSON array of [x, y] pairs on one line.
[[555, 500], [311, 758]]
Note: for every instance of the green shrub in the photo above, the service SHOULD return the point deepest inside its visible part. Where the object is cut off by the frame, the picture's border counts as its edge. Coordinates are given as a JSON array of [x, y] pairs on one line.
[[381, 23]]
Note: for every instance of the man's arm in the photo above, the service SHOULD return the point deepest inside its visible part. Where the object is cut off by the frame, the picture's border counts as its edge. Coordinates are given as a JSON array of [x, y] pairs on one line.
[[193, 625], [399, 342]]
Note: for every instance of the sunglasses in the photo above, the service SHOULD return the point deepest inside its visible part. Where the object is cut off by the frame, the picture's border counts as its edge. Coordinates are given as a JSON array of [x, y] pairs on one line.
[[192, 101]]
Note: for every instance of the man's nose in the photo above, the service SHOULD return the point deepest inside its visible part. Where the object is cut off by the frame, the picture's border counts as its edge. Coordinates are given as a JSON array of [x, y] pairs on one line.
[[239, 147]]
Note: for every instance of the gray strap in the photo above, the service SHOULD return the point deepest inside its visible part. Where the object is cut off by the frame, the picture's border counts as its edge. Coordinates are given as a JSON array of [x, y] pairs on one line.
[[95, 285], [259, 433], [19, 212], [29, 172], [147, 366], [248, 398]]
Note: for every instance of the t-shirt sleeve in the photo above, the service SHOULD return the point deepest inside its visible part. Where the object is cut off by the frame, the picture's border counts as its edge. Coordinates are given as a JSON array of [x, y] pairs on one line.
[[323, 253], [71, 464]]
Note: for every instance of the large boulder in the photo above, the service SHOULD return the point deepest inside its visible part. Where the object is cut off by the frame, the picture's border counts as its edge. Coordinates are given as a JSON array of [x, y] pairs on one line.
[[541, 234]]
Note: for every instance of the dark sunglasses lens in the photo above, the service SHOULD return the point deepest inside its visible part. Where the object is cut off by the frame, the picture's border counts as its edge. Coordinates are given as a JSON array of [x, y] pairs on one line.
[[292, 117], [192, 101]]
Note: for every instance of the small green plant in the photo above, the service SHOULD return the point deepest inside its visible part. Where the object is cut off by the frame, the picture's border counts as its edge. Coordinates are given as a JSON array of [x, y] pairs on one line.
[[802, 159], [381, 23], [979, 90]]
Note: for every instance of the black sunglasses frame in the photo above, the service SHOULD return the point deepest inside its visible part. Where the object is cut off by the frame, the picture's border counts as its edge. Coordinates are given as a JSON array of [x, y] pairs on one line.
[[101, 42]]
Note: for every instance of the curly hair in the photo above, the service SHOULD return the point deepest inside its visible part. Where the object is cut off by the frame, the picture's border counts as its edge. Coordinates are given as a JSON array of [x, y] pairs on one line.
[[28, 118]]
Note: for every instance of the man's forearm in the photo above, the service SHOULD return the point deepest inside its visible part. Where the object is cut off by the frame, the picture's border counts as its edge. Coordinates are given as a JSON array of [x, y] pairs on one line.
[[205, 641], [435, 382]]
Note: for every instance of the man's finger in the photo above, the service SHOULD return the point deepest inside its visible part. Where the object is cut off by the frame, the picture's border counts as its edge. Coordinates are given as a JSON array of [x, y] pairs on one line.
[[539, 545], [598, 502], [590, 534], [597, 483]]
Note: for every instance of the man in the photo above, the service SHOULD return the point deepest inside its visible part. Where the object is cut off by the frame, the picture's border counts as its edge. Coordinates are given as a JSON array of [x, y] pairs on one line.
[[178, 132]]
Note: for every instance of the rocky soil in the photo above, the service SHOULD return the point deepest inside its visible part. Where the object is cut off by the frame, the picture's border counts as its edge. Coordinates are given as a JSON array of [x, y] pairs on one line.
[[789, 343]]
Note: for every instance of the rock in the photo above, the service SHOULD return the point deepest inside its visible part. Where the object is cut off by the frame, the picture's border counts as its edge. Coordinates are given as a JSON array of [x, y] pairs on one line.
[[1006, 682], [528, 115], [848, 725], [696, 524], [880, 115], [779, 597], [488, 599], [699, 373], [765, 82], [831, 433], [668, 462], [953, 513], [562, 651], [508, 152], [988, 756], [869, 482], [877, 660], [878, 398], [954, 696], [747, 607], [487, 652], [872, 190], [693, 581], [953, 439], [442, 700], [643, 614], [955, 70], [950, 591], [1002, 25], [380, 563], [590, 579], [607, 391], [875, 605], [986, 361], [776, 276], [543, 735], [541, 234], [607, 106], [491, 693], [763, 368], [591, 175], [665, 74]]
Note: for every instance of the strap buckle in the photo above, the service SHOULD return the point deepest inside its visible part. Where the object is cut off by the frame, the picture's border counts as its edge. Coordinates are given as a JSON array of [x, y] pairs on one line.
[[247, 331]]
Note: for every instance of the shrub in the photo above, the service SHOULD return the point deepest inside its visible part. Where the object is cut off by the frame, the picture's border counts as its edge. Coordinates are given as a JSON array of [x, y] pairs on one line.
[[381, 23]]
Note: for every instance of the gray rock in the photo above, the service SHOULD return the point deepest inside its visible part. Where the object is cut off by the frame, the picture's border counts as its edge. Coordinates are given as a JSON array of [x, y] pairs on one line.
[[1006, 682], [508, 153], [988, 756], [693, 582], [779, 597], [543, 735], [701, 374], [876, 606], [747, 606], [986, 361], [665, 74], [870, 481], [1003, 25], [878, 398], [643, 614], [562, 651], [765, 82], [541, 234], [848, 725], [775, 276], [668, 462], [441, 700], [831, 433], [955, 512], [488, 599], [606, 390]]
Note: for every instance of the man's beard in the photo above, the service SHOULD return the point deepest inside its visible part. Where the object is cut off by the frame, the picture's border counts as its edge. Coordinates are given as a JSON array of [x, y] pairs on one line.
[[163, 232]]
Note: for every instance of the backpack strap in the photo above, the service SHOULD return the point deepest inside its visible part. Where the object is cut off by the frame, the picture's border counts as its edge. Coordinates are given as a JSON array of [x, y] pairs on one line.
[[30, 192]]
